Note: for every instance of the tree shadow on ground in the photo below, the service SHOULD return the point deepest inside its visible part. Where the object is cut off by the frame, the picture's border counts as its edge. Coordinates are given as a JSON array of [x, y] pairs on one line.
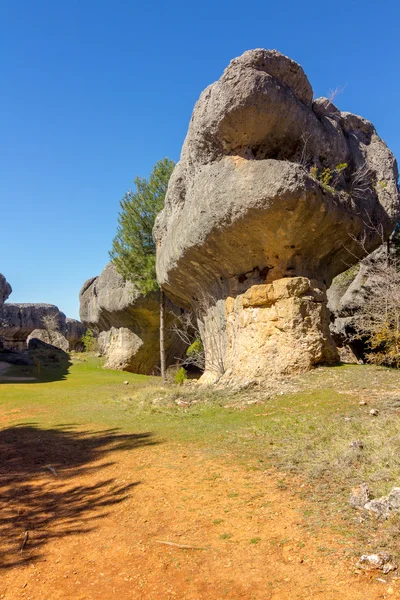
[[41, 497]]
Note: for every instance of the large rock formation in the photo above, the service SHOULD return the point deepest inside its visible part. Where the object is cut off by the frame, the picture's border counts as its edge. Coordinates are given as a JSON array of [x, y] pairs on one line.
[[127, 323], [347, 298], [19, 321], [5, 289], [249, 206]]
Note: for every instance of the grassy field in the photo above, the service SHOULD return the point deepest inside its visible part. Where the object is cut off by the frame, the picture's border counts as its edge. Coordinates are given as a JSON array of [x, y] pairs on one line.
[[303, 430]]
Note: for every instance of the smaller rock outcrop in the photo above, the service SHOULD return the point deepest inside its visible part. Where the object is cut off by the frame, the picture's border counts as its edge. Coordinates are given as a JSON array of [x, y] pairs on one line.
[[359, 496], [126, 322], [52, 338], [74, 331], [382, 561], [5, 289], [347, 299], [19, 321], [384, 506]]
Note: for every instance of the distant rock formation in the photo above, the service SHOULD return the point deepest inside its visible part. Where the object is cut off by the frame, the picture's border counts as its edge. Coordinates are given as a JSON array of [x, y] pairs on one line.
[[5, 290], [347, 297], [19, 321], [264, 209], [127, 323], [52, 338], [74, 331]]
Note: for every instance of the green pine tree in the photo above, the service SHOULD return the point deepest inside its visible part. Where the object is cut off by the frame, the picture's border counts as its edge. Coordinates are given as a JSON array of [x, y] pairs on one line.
[[133, 249]]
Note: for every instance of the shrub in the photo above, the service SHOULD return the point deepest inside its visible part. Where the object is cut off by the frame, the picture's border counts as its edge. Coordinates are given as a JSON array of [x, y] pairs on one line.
[[89, 341], [180, 376], [379, 320], [328, 178]]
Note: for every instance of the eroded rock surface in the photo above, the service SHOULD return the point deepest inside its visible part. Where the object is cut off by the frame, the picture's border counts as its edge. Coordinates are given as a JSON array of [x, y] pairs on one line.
[[19, 321], [246, 206], [127, 323], [74, 331], [53, 338], [347, 298]]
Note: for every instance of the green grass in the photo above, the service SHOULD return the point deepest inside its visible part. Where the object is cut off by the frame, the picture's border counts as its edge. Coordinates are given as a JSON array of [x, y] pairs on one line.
[[306, 432]]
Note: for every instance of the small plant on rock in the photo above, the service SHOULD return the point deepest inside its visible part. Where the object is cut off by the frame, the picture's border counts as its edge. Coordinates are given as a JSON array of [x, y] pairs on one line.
[[328, 178]]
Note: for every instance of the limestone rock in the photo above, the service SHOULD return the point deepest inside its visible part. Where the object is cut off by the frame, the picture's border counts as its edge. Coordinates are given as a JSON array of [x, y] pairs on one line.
[[127, 323], [384, 506], [243, 211], [284, 324], [53, 338], [74, 331], [119, 344], [382, 561], [46, 354], [21, 319], [360, 495], [347, 297], [5, 290]]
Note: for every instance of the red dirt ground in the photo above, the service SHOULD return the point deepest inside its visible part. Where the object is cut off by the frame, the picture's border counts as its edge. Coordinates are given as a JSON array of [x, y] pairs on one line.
[[94, 530]]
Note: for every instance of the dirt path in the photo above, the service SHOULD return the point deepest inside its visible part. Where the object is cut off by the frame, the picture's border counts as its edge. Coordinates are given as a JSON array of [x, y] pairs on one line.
[[94, 531]]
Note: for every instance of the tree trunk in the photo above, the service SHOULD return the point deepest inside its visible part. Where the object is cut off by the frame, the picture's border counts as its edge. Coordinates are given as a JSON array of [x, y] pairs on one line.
[[162, 334]]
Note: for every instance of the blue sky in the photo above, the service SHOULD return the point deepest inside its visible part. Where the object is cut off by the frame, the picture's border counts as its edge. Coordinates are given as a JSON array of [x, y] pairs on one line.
[[94, 92]]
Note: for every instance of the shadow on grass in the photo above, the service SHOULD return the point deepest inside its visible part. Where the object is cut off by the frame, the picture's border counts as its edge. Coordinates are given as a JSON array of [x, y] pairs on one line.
[[41, 496], [47, 363]]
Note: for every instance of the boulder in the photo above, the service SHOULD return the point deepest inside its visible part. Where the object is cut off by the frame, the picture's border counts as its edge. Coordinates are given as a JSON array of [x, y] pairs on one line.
[[382, 561], [127, 323], [347, 297], [5, 289], [74, 331], [52, 338], [248, 208], [19, 321], [384, 506], [359, 496]]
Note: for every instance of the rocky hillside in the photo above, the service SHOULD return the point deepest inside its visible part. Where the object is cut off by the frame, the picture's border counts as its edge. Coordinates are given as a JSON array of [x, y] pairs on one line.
[[267, 205]]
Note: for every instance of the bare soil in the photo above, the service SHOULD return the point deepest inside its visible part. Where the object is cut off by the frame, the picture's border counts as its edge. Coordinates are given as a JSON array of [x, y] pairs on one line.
[[84, 516]]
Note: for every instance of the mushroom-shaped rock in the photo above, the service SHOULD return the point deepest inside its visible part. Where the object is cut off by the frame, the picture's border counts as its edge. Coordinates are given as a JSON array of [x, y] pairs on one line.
[[127, 322], [273, 196], [5, 289]]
